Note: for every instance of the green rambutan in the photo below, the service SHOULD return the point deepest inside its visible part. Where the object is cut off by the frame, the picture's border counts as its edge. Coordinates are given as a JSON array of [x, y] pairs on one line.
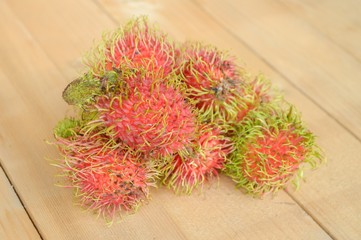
[[154, 118], [108, 181], [201, 162], [271, 147]]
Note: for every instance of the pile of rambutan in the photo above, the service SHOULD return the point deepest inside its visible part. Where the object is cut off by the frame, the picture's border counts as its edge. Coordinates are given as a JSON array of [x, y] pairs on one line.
[[150, 112]]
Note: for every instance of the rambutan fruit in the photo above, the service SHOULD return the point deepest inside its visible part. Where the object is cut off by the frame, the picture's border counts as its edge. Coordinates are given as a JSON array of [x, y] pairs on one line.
[[108, 181], [219, 88], [271, 149], [137, 45], [210, 76], [154, 118], [200, 162]]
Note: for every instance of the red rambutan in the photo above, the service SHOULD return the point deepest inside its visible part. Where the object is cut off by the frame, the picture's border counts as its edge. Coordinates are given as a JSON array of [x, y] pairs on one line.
[[209, 75], [199, 163], [153, 119], [270, 147], [137, 45], [217, 85], [108, 181]]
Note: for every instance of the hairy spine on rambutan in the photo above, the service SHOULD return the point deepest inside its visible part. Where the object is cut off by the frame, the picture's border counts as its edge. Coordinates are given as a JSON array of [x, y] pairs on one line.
[[272, 147], [202, 160], [137, 45], [111, 182]]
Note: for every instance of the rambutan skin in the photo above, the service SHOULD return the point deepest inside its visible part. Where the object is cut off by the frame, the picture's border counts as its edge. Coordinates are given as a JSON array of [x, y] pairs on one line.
[[271, 148], [107, 181], [201, 162], [153, 119]]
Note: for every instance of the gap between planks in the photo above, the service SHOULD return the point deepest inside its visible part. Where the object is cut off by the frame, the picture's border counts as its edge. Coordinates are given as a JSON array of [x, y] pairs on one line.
[[19, 199], [314, 218]]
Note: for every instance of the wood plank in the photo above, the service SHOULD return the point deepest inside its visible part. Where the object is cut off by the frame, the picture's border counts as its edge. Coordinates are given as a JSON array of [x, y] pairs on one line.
[[339, 21], [59, 31], [222, 213], [328, 193], [14, 221], [315, 65]]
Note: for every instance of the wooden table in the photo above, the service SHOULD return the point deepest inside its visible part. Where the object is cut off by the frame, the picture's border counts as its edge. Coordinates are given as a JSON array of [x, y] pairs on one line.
[[310, 49]]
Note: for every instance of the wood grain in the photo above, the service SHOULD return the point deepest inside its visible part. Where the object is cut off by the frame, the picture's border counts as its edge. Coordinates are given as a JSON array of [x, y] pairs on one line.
[[310, 61], [41, 47], [339, 21]]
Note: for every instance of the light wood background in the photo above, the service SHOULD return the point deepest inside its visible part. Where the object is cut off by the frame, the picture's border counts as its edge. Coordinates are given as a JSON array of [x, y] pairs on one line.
[[310, 49]]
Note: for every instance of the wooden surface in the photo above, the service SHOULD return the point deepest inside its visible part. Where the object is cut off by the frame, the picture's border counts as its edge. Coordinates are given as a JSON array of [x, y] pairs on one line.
[[310, 49]]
